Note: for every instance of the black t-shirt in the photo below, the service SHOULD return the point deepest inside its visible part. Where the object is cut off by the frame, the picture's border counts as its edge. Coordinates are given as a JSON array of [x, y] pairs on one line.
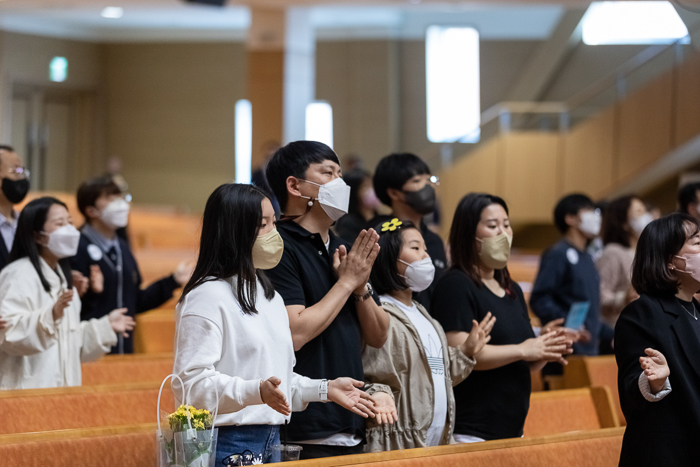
[[304, 276], [491, 404]]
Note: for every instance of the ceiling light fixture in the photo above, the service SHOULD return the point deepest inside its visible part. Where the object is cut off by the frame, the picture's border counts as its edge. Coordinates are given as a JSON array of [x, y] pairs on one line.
[[112, 12]]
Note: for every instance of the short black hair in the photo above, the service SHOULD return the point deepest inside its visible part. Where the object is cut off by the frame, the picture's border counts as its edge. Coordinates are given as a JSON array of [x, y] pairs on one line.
[[293, 160], [385, 274], [660, 241], [570, 205], [394, 170], [31, 223], [6, 147], [686, 195], [615, 221], [230, 226], [92, 189]]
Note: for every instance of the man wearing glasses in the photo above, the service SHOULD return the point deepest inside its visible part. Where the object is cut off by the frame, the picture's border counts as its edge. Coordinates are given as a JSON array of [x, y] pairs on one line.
[[14, 188], [404, 183]]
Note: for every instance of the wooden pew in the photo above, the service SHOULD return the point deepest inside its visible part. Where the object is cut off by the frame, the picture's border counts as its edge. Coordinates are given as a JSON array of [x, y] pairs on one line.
[[123, 369], [123, 446], [135, 446], [594, 371], [80, 407], [570, 410], [600, 448], [155, 332]]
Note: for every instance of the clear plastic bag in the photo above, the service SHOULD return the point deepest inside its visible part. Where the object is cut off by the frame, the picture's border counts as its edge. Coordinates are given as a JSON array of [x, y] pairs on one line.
[[188, 448]]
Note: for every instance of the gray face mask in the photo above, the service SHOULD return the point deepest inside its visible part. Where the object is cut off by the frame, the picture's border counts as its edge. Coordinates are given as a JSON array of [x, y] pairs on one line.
[[422, 201]]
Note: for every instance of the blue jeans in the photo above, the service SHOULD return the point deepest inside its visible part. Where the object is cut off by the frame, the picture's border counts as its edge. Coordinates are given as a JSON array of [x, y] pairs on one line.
[[259, 439]]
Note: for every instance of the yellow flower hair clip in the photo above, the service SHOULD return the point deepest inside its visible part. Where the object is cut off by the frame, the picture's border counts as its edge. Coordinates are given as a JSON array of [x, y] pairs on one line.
[[391, 225]]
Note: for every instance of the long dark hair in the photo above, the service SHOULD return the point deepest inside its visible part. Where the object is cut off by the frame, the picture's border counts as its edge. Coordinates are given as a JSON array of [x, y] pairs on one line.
[[463, 244], [230, 226], [30, 224], [615, 221], [385, 274], [659, 242]]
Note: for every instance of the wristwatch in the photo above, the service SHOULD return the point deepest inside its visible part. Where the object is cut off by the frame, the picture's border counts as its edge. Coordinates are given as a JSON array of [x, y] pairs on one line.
[[362, 298], [323, 390]]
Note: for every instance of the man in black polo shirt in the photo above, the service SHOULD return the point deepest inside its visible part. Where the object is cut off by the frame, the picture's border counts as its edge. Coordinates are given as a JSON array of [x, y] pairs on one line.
[[403, 182], [324, 284]]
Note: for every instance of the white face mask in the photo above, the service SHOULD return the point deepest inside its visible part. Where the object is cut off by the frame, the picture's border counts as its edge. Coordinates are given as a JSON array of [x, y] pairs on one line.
[[639, 223], [63, 242], [334, 198], [116, 214], [419, 274], [590, 223]]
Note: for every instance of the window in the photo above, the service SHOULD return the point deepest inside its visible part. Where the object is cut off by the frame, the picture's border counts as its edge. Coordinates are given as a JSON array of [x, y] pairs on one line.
[[244, 140], [632, 23], [319, 123], [452, 84], [58, 69]]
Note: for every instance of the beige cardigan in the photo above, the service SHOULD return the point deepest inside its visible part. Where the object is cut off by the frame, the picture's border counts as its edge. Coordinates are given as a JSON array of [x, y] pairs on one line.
[[403, 365]]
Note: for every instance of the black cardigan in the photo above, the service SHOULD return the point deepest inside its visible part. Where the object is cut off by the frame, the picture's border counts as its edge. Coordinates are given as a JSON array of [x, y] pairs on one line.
[[666, 432]]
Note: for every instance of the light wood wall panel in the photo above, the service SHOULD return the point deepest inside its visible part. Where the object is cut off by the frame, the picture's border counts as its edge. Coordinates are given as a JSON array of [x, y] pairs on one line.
[[688, 100], [170, 117], [476, 172], [359, 80], [265, 82], [645, 126], [589, 155], [530, 174]]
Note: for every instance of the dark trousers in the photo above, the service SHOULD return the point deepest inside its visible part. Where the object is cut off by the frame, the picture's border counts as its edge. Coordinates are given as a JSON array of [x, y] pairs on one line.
[[315, 451]]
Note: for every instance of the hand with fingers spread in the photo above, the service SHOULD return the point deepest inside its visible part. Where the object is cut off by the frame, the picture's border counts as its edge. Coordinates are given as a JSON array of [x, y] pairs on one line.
[[558, 325], [97, 279], [62, 303], [346, 393], [355, 266], [121, 322], [479, 336], [272, 395], [385, 407], [80, 282], [550, 347], [655, 368]]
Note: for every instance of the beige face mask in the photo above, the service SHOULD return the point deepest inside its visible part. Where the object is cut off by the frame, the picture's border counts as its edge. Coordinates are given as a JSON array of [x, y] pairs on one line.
[[495, 251], [267, 250]]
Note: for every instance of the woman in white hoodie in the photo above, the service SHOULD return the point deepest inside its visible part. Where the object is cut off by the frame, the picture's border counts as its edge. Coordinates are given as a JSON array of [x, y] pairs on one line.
[[233, 331], [44, 341]]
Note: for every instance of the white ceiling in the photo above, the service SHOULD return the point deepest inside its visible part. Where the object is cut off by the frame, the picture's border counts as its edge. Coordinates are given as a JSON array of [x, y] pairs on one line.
[[175, 20]]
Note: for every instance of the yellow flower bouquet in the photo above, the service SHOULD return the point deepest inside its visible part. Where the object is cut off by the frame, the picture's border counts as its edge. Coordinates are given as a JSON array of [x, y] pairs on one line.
[[190, 437]]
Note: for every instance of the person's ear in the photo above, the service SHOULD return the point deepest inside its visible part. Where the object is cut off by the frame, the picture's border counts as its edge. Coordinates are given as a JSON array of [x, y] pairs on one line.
[[394, 194], [39, 238], [293, 186], [91, 212], [572, 220]]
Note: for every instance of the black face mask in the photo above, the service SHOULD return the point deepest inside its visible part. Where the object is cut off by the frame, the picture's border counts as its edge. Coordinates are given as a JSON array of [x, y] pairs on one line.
[[421, 201], [15, 190]]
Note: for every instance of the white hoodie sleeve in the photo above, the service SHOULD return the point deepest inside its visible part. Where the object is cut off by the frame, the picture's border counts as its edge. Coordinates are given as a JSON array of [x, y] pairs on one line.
[[198, 348], [28, 331], [304, 390]]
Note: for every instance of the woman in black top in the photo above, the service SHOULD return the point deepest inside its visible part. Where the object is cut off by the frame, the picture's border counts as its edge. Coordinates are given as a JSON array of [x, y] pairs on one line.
[[657, 347], [493, 402]]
